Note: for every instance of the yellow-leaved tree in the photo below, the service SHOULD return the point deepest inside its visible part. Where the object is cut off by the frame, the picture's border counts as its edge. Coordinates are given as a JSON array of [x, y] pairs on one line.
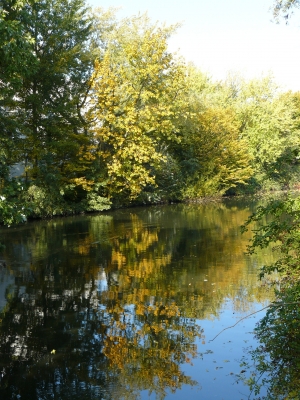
[[137, 89], [223, 156], [212, 154]]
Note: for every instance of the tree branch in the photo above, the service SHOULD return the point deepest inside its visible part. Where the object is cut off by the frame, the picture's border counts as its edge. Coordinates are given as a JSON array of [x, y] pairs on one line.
[[255, 312]]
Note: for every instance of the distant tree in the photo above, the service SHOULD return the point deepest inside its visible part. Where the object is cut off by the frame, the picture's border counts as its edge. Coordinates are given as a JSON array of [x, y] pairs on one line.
[[268, 122], [212, 155]]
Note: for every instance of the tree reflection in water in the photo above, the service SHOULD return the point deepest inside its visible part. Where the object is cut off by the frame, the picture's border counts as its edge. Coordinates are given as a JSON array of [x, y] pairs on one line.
[[73, 343], [107, 306]]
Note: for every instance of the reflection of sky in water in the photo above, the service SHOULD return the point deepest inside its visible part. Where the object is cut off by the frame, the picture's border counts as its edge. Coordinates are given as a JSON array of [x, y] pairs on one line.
[[101, 283], [219, 360], [188, 259]]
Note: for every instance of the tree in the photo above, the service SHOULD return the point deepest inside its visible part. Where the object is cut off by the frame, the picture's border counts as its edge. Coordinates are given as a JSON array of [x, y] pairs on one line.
[[51, 99], [282, 232], [276, 359], [136, 91], [16, 60], [212, 155], [222, 157], [54, 94], [269, 124]]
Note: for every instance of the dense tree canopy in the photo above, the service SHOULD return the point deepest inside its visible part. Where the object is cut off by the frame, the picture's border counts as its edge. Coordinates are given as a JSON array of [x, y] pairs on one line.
[[16, 60], [96, 112], [137, 92]]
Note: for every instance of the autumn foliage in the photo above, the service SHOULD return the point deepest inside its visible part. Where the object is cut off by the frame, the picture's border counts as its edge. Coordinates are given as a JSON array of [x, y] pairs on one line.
[[107, 116]]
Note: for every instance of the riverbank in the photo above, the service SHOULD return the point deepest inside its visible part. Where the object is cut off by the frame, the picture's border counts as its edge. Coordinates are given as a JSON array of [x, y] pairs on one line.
[[42, 207]]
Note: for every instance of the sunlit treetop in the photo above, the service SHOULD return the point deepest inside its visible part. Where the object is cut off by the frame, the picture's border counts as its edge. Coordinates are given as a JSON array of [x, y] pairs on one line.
[[284, 9]]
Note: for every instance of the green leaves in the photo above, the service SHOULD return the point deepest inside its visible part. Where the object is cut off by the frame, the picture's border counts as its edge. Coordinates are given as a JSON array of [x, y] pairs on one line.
[[137, 124], [280, 223], [277, 357], [45, 64], [211, 153]]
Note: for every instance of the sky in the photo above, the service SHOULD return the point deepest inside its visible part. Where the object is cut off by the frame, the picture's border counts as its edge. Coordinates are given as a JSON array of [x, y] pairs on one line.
[[226, 36]]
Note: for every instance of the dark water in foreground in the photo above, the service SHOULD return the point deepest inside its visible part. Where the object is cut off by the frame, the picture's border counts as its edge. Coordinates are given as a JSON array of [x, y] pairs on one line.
[[124, 305]]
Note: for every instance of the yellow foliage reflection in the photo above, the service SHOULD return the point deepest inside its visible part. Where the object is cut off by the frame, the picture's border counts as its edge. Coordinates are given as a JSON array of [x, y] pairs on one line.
[[129, 290], [146, 344]]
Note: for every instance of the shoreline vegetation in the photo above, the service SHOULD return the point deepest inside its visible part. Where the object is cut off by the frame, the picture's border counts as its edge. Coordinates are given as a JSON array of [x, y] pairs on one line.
[[99, 114], [96, 114], [200, 200]]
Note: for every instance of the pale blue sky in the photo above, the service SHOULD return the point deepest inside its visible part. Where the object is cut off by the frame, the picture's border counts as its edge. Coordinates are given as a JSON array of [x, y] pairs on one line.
[[222, 36]]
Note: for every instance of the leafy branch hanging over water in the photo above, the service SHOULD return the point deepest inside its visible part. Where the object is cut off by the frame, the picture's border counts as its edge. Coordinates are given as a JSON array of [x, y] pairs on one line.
[[280, 228], [276, 359]]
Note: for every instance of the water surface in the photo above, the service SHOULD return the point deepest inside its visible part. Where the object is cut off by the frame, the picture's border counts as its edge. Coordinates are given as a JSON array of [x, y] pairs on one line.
[[125, 304]]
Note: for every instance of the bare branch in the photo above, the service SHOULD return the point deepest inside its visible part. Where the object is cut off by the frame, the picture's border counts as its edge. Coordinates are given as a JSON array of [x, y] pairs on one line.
[[255, 312]]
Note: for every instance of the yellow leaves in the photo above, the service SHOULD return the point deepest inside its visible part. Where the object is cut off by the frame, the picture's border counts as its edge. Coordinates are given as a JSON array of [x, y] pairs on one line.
[[87, 153], [129, 350], [144, 340], [118, 258], [115, 350], [224, 157], [157, 328], [134, 87], [140, 309], [84, 246], [83, 182]]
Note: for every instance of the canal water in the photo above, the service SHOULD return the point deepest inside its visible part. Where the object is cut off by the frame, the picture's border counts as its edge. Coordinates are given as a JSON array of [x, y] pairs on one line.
[[142, 303]]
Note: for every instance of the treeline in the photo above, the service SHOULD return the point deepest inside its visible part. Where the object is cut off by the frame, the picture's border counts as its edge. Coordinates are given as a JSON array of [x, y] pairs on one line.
[[97, 113]]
